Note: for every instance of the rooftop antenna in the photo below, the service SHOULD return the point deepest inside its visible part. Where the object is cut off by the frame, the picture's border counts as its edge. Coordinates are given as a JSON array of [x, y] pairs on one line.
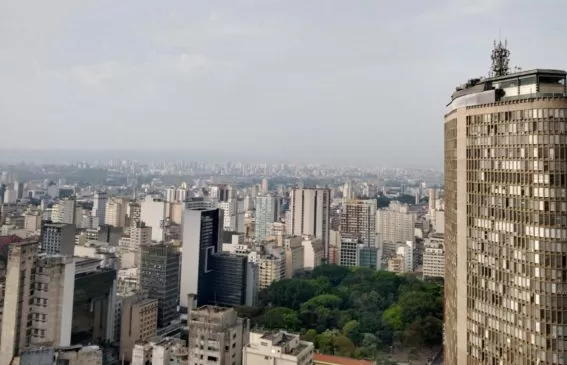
[[500, 59]]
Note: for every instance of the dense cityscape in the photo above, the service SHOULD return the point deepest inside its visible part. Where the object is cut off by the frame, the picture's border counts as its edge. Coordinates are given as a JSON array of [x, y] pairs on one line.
[[164, 250], [309, 222]]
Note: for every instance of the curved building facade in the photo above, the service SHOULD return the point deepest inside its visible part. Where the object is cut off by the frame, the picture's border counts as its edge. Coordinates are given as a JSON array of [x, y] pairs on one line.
[[506, 220]]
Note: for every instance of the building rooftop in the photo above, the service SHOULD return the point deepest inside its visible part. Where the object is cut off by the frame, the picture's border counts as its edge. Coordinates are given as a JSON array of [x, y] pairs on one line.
[[322, 359], [516, 85]]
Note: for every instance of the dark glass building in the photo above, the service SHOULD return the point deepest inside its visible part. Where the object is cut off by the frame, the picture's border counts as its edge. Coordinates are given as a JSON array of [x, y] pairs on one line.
[[159, 276], [227, 280]]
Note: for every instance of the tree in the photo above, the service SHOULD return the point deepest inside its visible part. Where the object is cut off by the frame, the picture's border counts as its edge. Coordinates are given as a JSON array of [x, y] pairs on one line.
[[336, 307], [311, 336], [393, 318], [342, 346], [281, 318], [334, 273], [352, 331], [288, 293]]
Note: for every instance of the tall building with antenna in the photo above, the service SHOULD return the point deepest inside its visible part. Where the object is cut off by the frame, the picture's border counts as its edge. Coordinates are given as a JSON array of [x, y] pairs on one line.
[[506, 218]]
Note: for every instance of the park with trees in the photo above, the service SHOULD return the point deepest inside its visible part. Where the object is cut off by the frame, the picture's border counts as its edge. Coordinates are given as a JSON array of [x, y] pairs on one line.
[[354, 312]]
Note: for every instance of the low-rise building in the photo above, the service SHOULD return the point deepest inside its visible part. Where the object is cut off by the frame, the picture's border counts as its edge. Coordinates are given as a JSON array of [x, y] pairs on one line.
[[276, 348]]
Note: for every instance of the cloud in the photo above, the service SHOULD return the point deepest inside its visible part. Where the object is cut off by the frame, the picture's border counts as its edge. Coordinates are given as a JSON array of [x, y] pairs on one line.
[[100, 74]]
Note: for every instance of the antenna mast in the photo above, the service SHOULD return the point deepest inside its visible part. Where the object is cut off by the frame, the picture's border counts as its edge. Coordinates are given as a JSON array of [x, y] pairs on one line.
[[500, 59]]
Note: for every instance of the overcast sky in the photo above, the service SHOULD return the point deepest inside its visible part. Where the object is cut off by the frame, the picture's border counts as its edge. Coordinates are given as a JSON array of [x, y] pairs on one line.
[[306, 80]]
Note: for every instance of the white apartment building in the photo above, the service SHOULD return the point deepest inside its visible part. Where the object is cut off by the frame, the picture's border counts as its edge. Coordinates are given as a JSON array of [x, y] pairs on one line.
[[434, 257], [160, 351], [294, 255], [277, 348], [233, 215], [314, 252], [153, 213], [115, 214], [396, 223], [64, 211]]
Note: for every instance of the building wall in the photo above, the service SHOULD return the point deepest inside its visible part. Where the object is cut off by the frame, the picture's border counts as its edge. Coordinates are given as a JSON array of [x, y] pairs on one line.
[[17, 291], [138, 322], [505, 164]]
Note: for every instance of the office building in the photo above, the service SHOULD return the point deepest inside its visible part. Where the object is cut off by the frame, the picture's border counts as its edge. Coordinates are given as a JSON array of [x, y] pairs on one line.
[[201, 235], [369, 257], [267, 211], [159, 277], [359, 218], [216, 336], [228, 280], [57, 238], [505, 218], [99, 206], [94, 302], [310, 214], [277, 348], [138, 321]]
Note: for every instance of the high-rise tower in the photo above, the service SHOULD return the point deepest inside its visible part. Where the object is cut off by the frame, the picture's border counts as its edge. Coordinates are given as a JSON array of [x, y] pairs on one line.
[[310, 213], [506, 218]]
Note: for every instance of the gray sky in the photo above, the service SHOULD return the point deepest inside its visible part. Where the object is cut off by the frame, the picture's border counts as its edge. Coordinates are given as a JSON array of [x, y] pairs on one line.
[[322, 80]]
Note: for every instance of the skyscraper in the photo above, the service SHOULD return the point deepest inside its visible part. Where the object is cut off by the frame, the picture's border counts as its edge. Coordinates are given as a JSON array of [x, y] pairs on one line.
[[159, 276], [310, 211], [201, 234], [506, 218], [99, 206], [267, 211]]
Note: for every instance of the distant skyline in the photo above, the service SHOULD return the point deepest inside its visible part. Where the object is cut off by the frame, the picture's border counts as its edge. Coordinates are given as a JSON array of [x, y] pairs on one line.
[[321, 81]]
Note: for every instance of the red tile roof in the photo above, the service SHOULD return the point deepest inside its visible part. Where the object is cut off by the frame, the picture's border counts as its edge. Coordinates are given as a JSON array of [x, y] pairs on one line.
[[338, 360], [4, 240]]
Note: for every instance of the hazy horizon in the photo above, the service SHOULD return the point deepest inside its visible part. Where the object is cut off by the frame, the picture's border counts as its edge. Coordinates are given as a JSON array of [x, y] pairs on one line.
[[72, 155], [324, 81]]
